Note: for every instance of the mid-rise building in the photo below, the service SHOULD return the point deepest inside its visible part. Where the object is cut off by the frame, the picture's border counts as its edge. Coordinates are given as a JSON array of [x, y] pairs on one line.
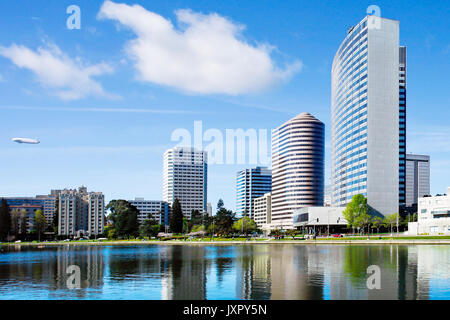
[[81, 213], [151, 209], [29, 212], [251, 184], [417, 178], [369, 116], [297, 167], [48, 203], [185, 178], [262, 210], [433, 216]]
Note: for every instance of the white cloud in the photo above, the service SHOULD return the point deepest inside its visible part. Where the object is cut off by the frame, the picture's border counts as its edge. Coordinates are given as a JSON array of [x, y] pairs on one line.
[[205, 54], [55, 70]]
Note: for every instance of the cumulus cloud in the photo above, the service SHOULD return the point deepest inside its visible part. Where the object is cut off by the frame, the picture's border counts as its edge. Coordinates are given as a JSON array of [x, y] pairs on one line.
[[205, 54], [55, 70]]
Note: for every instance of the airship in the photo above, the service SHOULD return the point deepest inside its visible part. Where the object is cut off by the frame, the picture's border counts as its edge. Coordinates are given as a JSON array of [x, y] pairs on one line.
[[25, 140]]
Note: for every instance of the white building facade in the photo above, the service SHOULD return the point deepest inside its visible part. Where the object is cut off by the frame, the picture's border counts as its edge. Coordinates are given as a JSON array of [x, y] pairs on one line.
[[367, 143], [262, 210], [151, 209], [81, 213], [298, 148], [433, 216], [327, 219], [185, 174]]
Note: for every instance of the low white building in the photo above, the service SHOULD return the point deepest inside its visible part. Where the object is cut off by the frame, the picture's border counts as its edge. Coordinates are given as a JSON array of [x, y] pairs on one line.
[[262, 211], [320, 219], [433, 216], [148, 209]]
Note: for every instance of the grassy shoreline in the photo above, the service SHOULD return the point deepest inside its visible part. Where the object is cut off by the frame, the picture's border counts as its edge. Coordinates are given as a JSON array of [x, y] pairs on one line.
[[227, 241]]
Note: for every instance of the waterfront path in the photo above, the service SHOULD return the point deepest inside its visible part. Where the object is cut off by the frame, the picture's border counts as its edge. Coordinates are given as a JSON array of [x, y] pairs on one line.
[[374, 241]]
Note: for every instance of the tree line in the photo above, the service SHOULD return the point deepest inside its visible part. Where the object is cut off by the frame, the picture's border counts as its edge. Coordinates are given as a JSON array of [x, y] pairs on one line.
[[124, 223], [359, 216], [15, 223]]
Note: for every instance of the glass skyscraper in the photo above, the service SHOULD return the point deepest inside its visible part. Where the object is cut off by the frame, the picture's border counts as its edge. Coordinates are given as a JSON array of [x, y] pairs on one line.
[[251, 184], [368, 116]]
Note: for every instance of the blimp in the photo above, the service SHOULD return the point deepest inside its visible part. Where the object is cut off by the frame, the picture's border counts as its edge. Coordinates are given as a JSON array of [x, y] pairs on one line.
[[25, 140]]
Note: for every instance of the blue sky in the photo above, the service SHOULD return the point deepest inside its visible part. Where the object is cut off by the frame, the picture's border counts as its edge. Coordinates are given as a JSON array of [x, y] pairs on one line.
[[108, 130]]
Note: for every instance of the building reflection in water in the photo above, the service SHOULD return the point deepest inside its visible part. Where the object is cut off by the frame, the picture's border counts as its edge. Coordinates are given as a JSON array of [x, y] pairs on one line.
[[184, 273], [198, 272]]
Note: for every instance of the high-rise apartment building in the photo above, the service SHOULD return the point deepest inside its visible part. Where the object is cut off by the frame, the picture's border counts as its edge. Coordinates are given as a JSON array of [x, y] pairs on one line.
[[417, 178], [185, 178], [368, 116], [297, 167], [251, 184], [151, 209], [81, 213]]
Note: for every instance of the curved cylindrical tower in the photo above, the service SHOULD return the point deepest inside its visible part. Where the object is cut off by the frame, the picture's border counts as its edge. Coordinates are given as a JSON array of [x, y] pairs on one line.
[[368, 132], [297, 167]]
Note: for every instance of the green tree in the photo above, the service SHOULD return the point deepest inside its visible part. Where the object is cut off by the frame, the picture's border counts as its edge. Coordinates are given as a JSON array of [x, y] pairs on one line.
[[39, 223], [124, 217], [197, 228], [377, 222], [5, 220], [362, 220], [176, 217], [245, 225], [196, 218], [149, 228], [23, 224], [15, 223], [275, 233], [390, 220], [291, 233], [224, 219], [357, 206], [212, 229]]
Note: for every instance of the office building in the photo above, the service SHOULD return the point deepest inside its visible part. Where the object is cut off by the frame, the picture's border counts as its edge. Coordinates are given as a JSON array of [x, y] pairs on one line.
[[185, 178], [297, 167], [368, 116], [29, 211], [251, 184], [262, 210], [433, 215], [47, 202], [209, 209], [151, 209], [81, 213], [417, 178]]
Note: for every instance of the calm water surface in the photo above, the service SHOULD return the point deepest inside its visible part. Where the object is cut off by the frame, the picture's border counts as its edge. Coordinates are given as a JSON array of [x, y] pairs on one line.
[[262, 271]]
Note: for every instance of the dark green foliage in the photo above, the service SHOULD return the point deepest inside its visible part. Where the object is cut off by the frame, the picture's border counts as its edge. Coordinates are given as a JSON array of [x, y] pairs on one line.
[[149, 228], [176, 217], [124, 217], [224, 219], [5, 220]]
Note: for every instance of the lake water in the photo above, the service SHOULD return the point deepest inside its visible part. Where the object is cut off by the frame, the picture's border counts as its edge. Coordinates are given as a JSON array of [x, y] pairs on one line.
[[260, 271]]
